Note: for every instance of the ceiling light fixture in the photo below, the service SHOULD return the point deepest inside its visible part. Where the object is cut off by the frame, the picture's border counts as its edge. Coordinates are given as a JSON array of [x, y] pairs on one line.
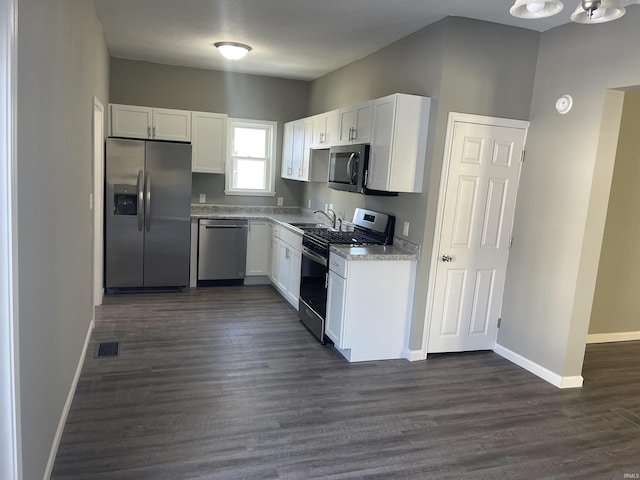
[[232, 50], [598, 11], [536, 8], [589, 11]]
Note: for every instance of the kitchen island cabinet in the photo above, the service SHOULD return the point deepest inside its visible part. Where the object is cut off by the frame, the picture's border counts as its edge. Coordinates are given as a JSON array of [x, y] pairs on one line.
[[369, 307]]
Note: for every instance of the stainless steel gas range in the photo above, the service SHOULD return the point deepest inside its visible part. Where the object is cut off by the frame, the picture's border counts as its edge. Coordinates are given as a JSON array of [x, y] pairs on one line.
[[369, 228]]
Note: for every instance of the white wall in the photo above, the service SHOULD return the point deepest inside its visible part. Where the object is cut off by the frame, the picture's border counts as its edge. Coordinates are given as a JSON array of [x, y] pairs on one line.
[[62, 63], [564, 192]]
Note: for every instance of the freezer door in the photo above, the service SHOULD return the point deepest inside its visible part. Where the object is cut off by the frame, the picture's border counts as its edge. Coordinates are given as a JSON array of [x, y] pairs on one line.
[[124, 213], [167, 199]]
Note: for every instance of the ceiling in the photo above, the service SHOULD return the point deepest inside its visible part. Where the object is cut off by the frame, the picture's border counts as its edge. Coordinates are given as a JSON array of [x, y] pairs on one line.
[[299, 39]]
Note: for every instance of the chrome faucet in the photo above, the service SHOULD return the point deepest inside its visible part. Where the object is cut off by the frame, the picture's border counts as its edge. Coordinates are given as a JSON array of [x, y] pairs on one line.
[[332, 217]]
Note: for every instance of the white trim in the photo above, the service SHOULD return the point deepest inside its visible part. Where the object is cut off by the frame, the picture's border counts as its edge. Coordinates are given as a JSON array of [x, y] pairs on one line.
[[10, 435], [613, 337], [414, 355], [542, 372], [67, 405], [454, 117], [271, 160], [97, 205]]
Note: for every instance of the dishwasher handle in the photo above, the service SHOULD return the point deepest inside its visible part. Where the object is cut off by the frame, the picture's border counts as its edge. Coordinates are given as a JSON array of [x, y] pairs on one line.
[[223, 226]]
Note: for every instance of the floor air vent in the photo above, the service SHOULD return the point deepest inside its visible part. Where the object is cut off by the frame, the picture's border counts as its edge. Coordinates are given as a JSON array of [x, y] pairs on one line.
[[108, 349]]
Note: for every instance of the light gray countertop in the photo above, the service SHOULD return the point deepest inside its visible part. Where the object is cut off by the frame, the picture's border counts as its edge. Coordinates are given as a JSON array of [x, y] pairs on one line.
[[375, 252], [401, 250]]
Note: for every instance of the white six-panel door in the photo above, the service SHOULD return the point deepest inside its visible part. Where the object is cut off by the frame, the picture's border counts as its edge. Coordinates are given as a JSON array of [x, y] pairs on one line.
[[476, 214]]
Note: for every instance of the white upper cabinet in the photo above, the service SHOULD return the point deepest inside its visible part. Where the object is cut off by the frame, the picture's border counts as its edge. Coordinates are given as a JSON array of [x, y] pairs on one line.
[[398, 143], [209, 142], [355, 123], [293, 150], [298, 159], [326, 129], [132, 121], [172, 125]]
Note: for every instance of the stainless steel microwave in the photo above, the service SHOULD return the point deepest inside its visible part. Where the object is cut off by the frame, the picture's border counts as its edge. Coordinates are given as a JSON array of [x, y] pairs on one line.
[[348, 166], [349, 169]]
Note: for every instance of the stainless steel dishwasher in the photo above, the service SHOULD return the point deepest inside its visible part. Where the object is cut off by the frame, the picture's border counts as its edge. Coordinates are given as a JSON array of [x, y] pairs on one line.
[[222, 252]]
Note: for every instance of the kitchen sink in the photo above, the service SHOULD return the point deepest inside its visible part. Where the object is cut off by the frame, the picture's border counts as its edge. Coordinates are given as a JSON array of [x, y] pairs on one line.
[[308, 225]]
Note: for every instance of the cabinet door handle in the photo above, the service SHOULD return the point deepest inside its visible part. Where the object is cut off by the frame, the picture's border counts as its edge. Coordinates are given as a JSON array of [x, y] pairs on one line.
[[154, 132], [148, 132]]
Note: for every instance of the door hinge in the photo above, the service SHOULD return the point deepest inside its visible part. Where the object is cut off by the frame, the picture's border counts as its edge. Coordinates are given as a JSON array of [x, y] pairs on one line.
[[510, 240], [524, 154], [499, 321]]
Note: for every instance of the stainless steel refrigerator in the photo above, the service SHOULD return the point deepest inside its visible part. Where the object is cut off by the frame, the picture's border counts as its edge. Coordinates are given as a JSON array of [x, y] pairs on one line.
[[148, 211]]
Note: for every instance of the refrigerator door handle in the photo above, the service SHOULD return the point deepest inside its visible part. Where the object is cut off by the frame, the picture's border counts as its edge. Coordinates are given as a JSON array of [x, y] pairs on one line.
[[147, 206], [139, 210]]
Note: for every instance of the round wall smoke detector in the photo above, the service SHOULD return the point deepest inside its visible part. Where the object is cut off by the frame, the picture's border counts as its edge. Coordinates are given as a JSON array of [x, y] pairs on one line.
[[564, 104]]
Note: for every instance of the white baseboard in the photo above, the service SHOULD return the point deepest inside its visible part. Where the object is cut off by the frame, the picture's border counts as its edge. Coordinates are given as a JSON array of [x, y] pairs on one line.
[[413, 355], [612, 337], [67, 405], [545, 374]]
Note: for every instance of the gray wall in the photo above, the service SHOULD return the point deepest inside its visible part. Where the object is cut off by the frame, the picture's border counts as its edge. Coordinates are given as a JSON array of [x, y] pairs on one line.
[[564, 192], [238, 95], [63, 62], [437, 62], [616, 304]]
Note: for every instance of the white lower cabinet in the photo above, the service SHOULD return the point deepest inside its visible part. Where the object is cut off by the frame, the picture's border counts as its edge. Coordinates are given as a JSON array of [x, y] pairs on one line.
[[286, 262], [258, 248], [369, 307]]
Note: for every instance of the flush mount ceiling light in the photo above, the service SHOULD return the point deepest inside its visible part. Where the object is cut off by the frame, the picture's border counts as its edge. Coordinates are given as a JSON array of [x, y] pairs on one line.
[[232, 50], [589, 11]]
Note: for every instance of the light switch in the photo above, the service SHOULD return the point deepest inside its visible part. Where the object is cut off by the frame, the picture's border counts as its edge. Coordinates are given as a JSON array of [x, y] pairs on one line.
[[280, 201], [405, 229], [203, 198]]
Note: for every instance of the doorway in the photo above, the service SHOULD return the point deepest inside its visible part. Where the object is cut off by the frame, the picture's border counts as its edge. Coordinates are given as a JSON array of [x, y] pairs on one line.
[[10, 454], [476, 205], [98, 201], [615, 301]]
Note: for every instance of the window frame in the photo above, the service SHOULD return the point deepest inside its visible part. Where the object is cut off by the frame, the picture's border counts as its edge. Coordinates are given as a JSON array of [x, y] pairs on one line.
[[271, 128]]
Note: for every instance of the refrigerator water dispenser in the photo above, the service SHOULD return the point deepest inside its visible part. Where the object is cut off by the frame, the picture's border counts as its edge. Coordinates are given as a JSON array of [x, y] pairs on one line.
[[125, 200]]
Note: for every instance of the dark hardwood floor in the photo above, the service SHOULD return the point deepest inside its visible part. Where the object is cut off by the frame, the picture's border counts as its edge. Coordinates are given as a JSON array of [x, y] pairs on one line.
[[225, 383]]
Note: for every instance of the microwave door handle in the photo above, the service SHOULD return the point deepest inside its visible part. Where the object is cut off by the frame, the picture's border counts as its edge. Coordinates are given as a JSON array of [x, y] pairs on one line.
[[350, 167]]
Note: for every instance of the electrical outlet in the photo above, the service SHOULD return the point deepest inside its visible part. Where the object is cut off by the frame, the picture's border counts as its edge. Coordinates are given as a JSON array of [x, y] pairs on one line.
[[91, 201], [203, 198], [280, 201], [309, 204], [326, 207], [330, 207], [405, 229]]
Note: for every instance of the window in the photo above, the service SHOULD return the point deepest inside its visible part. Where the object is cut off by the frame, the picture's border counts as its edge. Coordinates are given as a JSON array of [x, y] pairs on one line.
[[251, 160]]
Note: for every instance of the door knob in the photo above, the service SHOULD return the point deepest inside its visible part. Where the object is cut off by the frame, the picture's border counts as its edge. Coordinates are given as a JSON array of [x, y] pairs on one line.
[[446, 258]]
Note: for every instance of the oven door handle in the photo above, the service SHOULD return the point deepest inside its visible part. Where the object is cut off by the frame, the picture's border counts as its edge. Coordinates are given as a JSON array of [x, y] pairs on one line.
[[314, 256]]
